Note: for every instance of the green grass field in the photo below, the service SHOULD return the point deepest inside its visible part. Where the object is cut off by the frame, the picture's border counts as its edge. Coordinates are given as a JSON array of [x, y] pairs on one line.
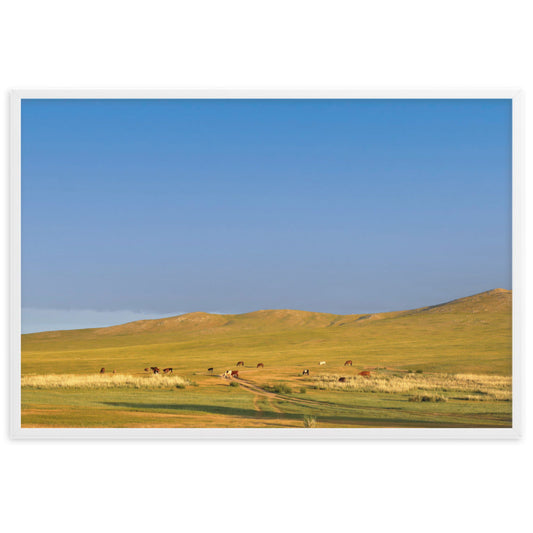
[[467, 336]]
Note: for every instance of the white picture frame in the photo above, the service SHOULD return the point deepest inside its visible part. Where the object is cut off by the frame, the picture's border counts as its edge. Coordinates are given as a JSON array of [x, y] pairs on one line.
[[17, 432]]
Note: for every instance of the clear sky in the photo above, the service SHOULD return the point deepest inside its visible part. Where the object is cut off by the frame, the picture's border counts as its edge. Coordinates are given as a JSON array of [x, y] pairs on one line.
[[158, 207]]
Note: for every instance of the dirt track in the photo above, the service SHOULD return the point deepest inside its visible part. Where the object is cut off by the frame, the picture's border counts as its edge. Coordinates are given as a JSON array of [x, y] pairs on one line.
[[272, 396], [255, 389]]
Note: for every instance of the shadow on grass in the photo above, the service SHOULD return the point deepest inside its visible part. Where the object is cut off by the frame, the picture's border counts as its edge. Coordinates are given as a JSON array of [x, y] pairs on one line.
[[337, 421], [212, 409]]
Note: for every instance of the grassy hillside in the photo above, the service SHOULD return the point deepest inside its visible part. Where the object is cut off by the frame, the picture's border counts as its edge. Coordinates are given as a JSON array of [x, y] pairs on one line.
[[472, 334]]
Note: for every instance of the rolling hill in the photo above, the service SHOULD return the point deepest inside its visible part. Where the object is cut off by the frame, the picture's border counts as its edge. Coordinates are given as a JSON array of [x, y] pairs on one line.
[[471, 334]]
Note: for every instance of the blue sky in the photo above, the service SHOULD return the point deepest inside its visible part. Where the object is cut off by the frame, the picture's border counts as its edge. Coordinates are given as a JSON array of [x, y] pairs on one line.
[[158, 207]]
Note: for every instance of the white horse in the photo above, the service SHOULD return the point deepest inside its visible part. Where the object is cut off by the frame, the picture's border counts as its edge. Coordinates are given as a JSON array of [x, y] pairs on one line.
[[322, 363]]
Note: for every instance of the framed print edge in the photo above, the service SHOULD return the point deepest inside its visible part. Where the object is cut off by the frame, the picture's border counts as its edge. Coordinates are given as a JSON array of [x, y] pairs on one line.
[[515, 432], [518, 157], [15, 264]]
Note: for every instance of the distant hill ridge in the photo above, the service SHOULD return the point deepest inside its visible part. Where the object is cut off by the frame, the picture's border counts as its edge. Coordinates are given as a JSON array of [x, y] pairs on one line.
[[492, 301]]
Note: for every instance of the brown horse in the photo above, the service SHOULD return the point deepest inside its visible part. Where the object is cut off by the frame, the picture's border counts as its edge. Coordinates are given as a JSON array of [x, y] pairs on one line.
[[102, 371], [365, 373], [240, 363], [154, 369], [342, 380], [147, 370], [167, 370], [348, 363], [260, 365], [305, 372], [234, 373]]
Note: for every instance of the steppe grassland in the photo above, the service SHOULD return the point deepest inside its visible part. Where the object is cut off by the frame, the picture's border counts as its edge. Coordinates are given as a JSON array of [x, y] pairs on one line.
[[447, 342], [102, 381], [468, 336], [468, 386]]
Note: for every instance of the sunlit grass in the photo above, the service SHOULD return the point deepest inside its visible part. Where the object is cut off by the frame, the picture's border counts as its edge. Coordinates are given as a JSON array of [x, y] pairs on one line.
[[458, 386], [101, 381], [462, 349]]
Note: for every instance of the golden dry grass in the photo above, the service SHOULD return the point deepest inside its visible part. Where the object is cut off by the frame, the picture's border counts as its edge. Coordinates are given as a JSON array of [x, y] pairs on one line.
[[101, 381], [460, 386]]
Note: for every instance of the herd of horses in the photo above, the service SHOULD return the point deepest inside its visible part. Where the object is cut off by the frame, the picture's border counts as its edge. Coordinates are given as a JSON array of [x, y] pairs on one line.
[[156, 370], [235, 373], [306, 372]]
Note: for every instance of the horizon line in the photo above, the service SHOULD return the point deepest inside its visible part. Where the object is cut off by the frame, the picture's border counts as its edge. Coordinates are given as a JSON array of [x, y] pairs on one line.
[[168, 316]]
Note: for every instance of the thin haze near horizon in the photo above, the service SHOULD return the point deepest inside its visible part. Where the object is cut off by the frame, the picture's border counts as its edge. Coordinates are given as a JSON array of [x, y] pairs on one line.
[[151, 208]]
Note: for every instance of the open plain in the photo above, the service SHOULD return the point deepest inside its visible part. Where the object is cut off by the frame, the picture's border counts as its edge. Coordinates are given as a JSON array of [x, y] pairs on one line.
[[447, 365]]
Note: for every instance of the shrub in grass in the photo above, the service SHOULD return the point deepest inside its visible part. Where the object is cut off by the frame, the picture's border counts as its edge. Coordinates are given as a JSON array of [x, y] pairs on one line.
[[310, 422], [279, 388], [233, 384], [419, 371], [303, 390], [428, 398], [410, 371], [497, 397], [180, 386]]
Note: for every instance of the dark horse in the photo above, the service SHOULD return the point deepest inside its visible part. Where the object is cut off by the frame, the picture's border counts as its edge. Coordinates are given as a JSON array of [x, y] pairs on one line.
[[167, 370], [348, 363], [240, 363], [102, 371], [154, 369], [260, 365]]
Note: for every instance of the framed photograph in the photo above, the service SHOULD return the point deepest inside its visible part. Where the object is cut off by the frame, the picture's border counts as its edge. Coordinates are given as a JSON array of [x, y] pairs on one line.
[[265, 264]]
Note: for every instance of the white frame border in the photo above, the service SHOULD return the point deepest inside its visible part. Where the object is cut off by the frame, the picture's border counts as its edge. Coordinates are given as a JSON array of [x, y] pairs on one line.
[[17, 432]]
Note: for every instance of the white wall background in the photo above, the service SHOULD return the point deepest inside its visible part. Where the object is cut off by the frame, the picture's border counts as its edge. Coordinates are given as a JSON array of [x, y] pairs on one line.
[[143, 486]]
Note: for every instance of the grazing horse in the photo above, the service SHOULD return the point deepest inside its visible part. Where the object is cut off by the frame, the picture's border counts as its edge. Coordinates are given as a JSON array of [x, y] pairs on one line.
[[305, 372], [167, 370], [348, 363], [147, 370], [342, 380], [322, 363], [154, 369], [365, 373], [114, 371], [260, 365], [210, 370], [240, 363], [102, 371], [234, 373]]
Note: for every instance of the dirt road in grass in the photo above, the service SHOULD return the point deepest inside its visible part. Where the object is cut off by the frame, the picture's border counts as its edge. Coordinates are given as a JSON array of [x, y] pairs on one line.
[[306, 402]]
